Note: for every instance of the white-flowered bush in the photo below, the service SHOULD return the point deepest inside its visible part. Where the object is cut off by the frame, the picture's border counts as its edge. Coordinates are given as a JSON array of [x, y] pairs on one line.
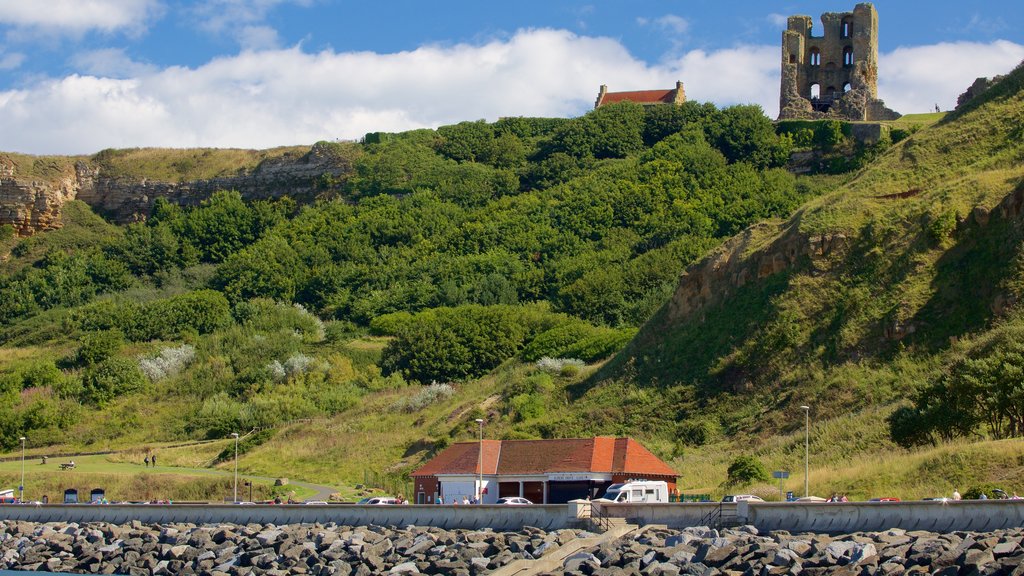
[[558, 364], [425, 397], [169, 362]]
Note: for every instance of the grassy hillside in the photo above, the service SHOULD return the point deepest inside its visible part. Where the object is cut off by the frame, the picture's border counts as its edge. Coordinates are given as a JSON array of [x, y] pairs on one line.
[[349, 336], [919, 285]]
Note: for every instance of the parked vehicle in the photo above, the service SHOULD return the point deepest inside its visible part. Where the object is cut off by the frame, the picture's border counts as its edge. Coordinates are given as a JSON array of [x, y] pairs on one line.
[[742, 498], [513, 501], [7, 497], [316, 503], [379, 501], [884, 500], [634, 491]]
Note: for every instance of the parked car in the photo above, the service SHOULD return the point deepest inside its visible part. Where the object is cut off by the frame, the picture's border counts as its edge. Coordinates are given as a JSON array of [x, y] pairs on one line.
[[805, 499], [379, 501], [513, 501], [316, 503], [742, 498], [884, 500]]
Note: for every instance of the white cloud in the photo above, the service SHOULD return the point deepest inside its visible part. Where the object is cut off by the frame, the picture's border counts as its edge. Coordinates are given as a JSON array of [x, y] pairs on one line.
[[11, 60], [80, 16], [258, 38], [669, 22], [243, 20], [111, 63], [780, 21], [915, 79], [267, 98]]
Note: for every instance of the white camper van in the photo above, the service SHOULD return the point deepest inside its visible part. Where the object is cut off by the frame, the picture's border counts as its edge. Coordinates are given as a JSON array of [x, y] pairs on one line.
[[633, 491]]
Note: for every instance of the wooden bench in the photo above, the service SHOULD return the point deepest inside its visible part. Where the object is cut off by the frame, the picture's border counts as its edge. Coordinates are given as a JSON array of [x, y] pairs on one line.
[[67, 466]]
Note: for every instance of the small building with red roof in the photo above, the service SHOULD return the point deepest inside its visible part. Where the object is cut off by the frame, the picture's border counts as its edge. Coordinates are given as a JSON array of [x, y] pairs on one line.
[[544, 471], [675, 96]]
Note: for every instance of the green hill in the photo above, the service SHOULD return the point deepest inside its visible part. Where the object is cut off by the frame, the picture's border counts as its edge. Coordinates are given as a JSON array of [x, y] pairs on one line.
[[491, 270]]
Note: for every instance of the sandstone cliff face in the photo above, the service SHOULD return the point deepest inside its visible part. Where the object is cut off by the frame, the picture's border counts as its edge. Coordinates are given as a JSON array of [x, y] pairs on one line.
[[32, 206]]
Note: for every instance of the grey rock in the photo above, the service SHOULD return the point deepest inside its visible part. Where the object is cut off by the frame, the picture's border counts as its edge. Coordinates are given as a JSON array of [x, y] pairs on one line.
[[405, 568]]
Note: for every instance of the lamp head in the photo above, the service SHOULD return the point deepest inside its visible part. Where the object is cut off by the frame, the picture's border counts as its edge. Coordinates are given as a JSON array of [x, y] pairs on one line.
[[805, 407], [479, 420], [234, 434], [22, 438]]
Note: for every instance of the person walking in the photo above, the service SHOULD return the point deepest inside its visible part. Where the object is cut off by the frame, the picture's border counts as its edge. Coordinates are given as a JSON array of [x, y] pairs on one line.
[[147, 460], [153, 460], [956, 494]]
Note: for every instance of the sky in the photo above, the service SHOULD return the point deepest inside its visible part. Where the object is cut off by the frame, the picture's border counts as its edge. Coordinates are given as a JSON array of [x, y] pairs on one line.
[[78, 76]]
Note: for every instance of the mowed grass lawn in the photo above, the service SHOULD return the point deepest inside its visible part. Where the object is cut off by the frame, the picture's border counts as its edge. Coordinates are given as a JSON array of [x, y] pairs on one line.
[[123, 480]]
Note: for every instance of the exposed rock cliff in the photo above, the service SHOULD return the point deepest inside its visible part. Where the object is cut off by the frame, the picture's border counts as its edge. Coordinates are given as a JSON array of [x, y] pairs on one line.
[[31, 205]]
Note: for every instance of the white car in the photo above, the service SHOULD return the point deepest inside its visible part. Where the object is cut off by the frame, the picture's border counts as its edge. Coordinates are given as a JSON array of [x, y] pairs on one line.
[[316, 503], [742, 498], [380, 501], [513, 501]]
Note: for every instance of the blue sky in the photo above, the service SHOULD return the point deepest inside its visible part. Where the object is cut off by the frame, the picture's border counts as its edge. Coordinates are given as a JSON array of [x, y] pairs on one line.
[[77, 76]]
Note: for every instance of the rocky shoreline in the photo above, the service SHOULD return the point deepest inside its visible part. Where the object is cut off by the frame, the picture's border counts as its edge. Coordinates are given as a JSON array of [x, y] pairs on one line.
[[330, 549]]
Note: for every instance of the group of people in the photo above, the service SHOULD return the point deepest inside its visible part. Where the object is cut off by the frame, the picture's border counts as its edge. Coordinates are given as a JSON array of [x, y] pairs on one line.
[[836, 497], [150, 459]]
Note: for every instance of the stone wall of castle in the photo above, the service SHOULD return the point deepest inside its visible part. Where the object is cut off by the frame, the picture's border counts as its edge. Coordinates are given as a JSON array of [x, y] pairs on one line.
[[834, 75]]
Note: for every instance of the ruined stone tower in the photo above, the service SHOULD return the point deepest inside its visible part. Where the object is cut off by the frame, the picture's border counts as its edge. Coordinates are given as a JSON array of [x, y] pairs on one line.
[[834, 75]]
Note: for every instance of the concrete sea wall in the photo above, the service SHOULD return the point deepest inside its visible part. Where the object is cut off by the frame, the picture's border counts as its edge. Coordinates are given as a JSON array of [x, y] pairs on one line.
[[933, 516]]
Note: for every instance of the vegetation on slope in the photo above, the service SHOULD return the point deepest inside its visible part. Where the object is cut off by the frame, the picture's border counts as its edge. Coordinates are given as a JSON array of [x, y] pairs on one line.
[[463, 248], [523, 248]]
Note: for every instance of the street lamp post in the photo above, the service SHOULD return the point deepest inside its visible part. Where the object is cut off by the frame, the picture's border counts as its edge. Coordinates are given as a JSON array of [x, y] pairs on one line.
[[21, 488], [235, 436], [480, 463], [807, 449]]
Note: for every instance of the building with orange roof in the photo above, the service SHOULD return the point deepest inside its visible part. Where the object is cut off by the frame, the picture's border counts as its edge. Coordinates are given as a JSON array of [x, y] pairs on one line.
[[675, 96], [544, 471]]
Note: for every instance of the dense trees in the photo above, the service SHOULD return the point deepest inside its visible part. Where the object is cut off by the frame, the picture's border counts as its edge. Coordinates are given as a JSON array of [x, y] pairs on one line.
[[981, 391], [469, 245]]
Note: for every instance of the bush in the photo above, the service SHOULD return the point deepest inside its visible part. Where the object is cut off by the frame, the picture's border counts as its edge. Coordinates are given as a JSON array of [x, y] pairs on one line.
[[110, 379], [559, 364], [265, 315], [975, 492], [168, 363], [699, 432], [747, 469], [425, 397], [98, 346]]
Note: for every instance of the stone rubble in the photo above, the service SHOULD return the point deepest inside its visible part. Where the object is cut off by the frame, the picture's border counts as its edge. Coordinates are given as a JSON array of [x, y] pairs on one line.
[[330, 549]]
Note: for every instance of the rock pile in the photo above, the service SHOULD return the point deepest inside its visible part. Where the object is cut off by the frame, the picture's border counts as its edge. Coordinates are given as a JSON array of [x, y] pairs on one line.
[[705, 551], [328, 549], [331, 549]]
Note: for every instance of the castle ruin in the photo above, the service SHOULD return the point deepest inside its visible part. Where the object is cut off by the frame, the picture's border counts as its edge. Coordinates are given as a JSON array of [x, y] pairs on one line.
[[834, 75]]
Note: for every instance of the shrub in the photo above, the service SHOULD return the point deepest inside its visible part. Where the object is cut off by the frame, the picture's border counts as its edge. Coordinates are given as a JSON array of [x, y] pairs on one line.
[[297, 363], [549, 364], [98, 346], [975, 492], [168, 363], [111, 378], [698, 432], [425, 397], [265, 315], [745, 470]]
